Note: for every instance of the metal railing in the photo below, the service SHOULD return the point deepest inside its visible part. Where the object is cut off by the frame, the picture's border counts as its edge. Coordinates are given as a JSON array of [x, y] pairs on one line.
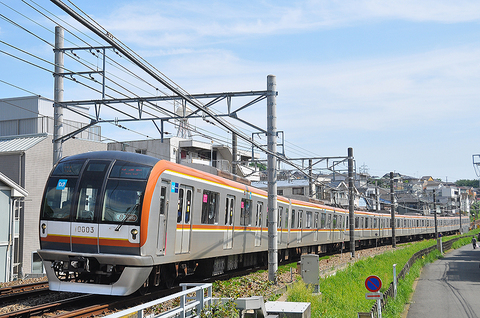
[[189, 306]]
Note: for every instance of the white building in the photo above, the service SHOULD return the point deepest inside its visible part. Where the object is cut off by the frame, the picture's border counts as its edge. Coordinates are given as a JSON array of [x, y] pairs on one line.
[[11, 194], [26, 158]]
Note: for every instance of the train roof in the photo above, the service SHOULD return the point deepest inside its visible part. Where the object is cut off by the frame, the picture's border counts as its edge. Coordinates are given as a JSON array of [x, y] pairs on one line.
[[117, 155]]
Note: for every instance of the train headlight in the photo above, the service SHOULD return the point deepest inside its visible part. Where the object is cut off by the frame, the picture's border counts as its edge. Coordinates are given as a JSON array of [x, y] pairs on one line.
[[134, 233], [44, 227]]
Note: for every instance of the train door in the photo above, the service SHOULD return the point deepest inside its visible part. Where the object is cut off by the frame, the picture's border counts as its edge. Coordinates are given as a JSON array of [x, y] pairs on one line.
[[292, 234], [84, 228], [286, 236], [184, 209], [299, 226], [162, 219], [229, 217], [335, 222], [329, 226], [279, 224], [258, 224]]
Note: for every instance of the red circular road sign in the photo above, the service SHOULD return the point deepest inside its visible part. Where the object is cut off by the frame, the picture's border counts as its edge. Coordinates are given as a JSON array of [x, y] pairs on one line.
[[373, 283]]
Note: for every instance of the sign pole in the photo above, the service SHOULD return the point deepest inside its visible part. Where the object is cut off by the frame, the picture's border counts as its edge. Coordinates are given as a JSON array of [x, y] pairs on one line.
[[379, 308]]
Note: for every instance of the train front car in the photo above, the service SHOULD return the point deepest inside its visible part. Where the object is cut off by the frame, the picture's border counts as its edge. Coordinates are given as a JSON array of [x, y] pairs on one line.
[[90, 223]]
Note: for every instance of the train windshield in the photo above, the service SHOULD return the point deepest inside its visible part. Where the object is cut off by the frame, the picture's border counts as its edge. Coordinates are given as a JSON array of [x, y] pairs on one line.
[[58, 199], [124, 193], [122, 202], [81, 192], [60, 189]]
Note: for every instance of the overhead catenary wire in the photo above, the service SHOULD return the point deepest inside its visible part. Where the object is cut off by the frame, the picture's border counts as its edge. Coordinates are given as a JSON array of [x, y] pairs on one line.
[[221, 121], [51, 44], [77, 58]]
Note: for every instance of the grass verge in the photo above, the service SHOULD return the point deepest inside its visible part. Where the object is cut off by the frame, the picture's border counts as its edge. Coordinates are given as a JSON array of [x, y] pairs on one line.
[[343, 295]]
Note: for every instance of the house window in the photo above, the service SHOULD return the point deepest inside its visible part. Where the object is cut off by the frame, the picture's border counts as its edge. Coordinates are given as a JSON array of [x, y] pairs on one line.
[[280, 192], [141, 151], [298, 191]]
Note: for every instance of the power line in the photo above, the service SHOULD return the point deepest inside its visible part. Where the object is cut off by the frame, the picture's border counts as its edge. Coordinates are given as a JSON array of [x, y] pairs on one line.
[[18, 87]]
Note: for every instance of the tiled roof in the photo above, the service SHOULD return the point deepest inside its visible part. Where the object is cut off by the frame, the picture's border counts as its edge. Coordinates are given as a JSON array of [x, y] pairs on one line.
[[20, 143]]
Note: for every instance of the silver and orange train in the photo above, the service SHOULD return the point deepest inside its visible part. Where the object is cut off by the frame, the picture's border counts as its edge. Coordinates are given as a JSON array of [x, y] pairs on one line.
[[115, 222]]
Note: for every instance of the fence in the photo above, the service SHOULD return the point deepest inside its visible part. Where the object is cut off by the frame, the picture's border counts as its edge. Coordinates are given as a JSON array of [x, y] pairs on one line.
[[189, 306]]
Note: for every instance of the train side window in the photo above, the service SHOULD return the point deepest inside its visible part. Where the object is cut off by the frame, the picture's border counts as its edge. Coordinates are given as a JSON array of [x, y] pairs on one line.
[[375, 223], [163, 199], [315, 225], [300, 219], [279, 218], [293, 219], [308, 221], [323, 218], [286, 218], [246, 212], [258, 215], [356, 222], [188, 206], [210, 207], [180, 205], [329, 221], [334, 225], [229, 209]]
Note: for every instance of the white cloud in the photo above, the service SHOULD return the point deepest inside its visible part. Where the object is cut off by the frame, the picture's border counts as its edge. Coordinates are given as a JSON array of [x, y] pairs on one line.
[[165, 24]]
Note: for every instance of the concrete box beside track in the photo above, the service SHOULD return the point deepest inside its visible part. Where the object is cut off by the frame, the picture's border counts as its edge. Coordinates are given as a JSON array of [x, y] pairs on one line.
[[288, 309], [309, 270]]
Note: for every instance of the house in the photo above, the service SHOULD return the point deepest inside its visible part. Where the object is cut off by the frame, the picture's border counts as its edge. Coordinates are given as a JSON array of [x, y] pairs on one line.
[[188, 152], [11, 194]]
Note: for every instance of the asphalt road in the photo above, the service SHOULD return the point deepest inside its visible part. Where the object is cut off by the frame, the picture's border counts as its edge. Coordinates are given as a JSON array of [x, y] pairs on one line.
[[449, 287]]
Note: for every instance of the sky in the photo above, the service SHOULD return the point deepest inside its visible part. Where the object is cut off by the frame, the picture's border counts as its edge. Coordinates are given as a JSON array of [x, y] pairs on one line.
[[398, 81]]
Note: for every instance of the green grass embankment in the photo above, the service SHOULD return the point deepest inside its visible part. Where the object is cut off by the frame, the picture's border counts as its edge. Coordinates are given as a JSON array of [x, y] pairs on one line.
[[343, 295]]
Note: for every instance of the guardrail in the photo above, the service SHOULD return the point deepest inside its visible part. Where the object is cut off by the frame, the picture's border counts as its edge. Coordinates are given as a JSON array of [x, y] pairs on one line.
[[390, 293], [189, 306]]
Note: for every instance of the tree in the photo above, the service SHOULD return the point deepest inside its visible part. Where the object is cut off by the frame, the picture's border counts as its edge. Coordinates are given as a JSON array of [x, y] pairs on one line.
[[467, 183], [475, 210]]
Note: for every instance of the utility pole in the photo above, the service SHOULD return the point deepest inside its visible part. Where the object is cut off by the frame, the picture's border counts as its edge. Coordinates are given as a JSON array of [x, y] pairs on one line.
[[460, 213], [58, 96], [272, 177], [435, 216], [392, 211], [234, 153], [310, 178], [351, 202]]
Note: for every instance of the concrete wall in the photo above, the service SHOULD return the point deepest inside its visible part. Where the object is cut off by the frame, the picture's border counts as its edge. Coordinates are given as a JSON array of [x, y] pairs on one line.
[[4, 229], [34, 106], [10, 165], [167, 150]]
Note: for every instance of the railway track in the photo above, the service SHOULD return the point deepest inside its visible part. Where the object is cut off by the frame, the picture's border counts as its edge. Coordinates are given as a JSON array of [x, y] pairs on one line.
[[18, 292], [93, 305]]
